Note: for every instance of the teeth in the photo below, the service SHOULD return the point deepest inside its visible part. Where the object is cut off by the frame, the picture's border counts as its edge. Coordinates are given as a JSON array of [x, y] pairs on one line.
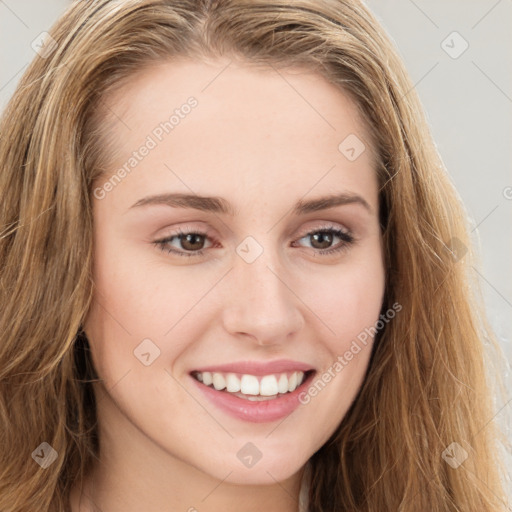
[[268, 385], [282, 385], [255, 387], [232, 383], [249, 385], [259, 398], [292, 382], [219, 382]]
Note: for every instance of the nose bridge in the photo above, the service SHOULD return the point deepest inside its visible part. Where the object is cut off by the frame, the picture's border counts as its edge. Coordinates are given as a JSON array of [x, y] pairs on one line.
[[260, 303]]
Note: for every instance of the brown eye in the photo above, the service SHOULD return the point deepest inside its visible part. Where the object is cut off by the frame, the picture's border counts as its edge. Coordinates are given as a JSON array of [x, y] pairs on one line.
[[321, 240], [191, 241], [184, 244]]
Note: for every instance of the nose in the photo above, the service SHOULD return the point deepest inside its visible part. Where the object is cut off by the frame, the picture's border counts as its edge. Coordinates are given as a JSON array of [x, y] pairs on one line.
[[261, 303]]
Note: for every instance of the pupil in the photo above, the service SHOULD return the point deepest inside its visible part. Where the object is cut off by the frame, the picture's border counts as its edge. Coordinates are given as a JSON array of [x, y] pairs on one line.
[[324, 238], [188, 242]]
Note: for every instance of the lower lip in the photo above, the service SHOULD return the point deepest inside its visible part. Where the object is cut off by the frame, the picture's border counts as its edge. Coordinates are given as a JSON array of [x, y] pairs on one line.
[[256, 412]]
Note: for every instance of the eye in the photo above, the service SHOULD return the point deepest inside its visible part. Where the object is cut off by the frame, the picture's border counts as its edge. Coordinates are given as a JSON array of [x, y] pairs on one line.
[[192, 242], [322, 239]]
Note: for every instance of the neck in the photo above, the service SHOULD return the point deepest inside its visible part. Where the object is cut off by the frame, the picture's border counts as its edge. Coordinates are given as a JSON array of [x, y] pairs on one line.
[[104, 492]]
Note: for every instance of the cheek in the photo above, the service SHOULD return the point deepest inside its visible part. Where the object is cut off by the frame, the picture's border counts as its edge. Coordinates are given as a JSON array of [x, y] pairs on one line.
[[138, 297], [348, 299], [349, 302]]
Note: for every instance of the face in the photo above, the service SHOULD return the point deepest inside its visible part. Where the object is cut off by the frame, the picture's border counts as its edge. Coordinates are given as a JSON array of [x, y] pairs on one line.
[[217, 258]]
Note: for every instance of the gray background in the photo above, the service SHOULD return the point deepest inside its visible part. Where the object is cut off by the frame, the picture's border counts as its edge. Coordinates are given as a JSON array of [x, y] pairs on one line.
[[468, 101]]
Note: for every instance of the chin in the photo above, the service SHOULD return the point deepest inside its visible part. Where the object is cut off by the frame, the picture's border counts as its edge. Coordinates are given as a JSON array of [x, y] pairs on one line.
[[262, 472]]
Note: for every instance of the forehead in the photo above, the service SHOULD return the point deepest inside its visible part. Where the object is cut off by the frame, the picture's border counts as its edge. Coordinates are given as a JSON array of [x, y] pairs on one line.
[[251, 126]]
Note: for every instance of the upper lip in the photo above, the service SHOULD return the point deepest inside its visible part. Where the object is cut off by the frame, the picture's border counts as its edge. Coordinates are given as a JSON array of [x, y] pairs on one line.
[[258, 368]]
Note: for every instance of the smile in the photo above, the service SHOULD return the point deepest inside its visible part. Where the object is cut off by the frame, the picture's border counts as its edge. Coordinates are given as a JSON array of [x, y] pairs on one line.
[[254, 392], [252, 387]]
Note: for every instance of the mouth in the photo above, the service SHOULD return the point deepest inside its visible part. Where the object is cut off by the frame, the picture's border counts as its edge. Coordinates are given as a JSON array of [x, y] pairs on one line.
[[255, 388], [254, 392]]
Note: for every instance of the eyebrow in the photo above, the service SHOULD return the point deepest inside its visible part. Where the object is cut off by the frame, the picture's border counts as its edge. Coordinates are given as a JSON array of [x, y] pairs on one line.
[[220, 205]]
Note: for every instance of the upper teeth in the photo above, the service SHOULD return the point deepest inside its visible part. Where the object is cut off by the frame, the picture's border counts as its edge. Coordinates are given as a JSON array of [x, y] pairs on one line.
[[267, 385]]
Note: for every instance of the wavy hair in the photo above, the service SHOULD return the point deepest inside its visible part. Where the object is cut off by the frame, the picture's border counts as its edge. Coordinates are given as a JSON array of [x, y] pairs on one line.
[[426, 385]]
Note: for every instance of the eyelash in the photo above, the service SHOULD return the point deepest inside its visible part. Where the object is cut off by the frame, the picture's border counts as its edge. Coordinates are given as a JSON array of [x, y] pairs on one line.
[[346, 237]]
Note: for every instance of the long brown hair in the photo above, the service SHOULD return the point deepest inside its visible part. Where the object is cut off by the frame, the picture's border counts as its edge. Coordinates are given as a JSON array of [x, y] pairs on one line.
[[426, 385]]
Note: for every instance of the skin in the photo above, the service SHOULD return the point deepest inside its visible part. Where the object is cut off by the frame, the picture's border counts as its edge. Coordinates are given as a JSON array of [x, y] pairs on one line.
[[262, 139]]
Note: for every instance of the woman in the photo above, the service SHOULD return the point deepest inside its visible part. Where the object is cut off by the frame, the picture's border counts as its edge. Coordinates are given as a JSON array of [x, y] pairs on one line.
[[234, 271]]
